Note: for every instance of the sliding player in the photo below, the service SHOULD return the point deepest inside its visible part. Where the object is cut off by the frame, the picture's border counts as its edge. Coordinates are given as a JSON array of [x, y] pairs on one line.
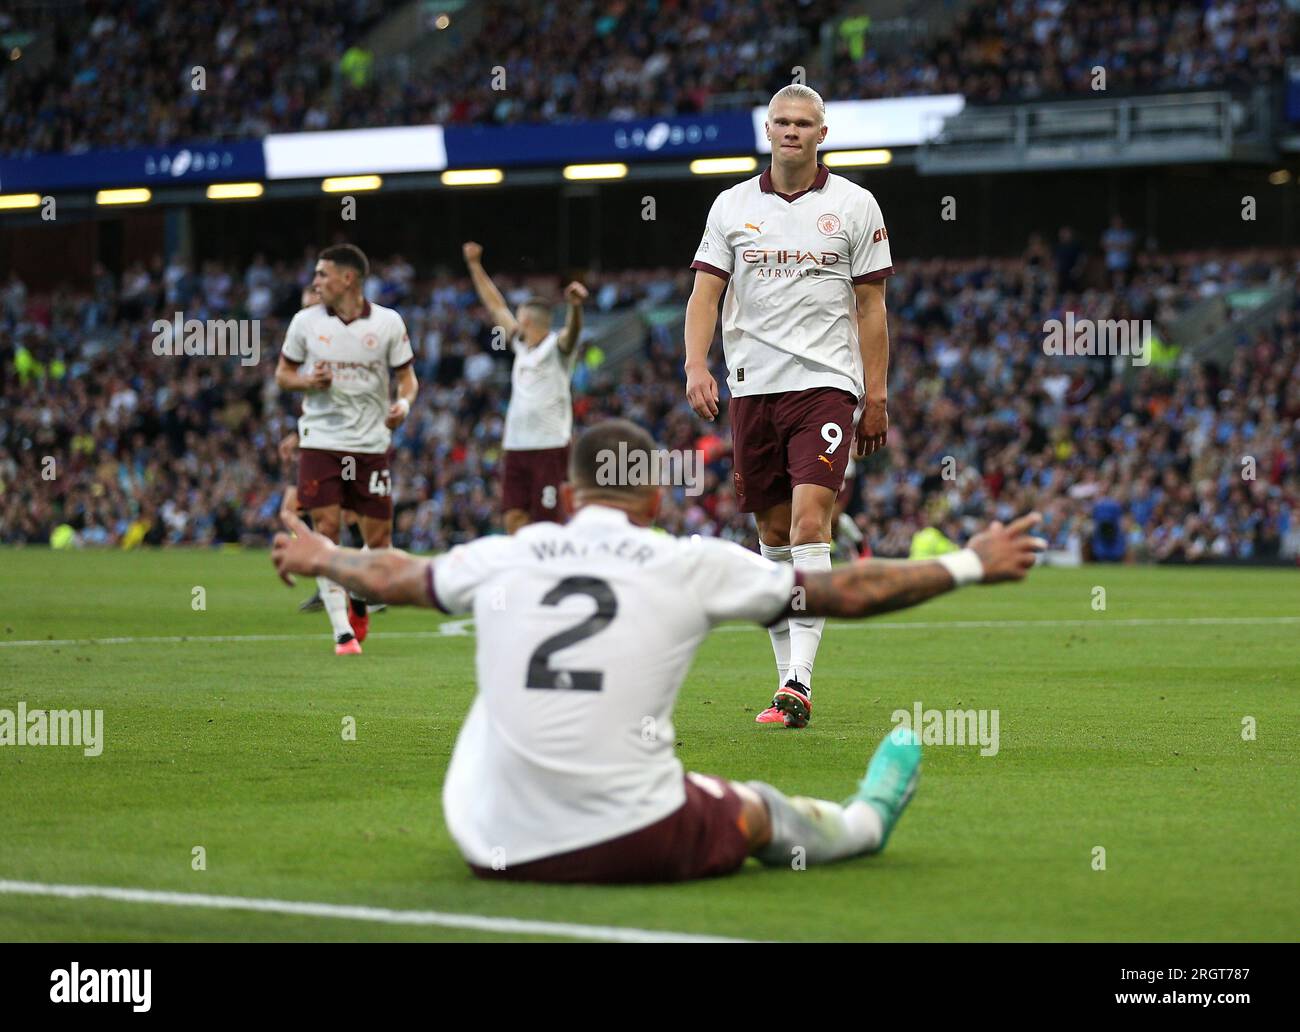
[[342, 352], [565, 767], [803, 256], [539, 417]]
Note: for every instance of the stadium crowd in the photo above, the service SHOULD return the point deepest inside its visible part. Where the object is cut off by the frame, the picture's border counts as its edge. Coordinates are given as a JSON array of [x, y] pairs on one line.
[[123, 70], [1047, 49], [105, 442]]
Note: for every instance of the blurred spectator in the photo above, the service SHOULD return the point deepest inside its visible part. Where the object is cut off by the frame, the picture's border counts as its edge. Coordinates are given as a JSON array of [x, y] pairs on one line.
[[1108, 542], [1117, 244], [1069, 257]]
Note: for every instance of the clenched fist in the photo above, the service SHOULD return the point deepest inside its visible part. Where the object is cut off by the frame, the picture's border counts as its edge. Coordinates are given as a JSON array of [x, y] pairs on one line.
[[320, 378]]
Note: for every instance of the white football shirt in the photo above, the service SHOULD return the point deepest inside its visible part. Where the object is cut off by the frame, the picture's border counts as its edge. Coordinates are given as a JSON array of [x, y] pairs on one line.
[[585, 633], [361, 353], [540, 412], [789, 317]]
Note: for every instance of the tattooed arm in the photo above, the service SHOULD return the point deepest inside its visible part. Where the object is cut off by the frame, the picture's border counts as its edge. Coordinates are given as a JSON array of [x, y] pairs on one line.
[[874, 586], [385, 575]]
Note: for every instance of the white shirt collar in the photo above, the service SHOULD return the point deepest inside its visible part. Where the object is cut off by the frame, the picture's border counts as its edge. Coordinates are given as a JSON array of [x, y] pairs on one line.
[[601, 513]]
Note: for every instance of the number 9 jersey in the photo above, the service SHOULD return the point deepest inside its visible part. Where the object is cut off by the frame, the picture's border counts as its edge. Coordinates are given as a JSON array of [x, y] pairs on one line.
[[585, 633]]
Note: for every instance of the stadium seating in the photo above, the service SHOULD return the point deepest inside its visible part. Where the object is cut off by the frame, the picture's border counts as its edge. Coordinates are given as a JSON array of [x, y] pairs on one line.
[[171, 451], [304, 67]]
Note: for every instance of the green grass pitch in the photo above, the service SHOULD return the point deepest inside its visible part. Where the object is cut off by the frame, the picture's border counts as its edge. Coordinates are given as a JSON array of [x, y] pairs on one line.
[[1120, 729]]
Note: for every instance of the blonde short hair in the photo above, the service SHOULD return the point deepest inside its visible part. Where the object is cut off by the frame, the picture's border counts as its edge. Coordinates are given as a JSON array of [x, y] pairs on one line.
[[798, 91]]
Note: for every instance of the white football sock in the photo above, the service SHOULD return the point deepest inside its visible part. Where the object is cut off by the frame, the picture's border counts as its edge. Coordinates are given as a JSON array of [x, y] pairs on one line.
[[779, 632], [806, 631], [825, 831], [336, 606]]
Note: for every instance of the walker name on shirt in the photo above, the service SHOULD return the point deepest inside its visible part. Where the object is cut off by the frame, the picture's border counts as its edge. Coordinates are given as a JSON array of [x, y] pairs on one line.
[[627, 549]]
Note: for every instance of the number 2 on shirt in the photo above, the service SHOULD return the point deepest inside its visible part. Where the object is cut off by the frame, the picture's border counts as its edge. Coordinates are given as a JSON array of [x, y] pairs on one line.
[[540, 673]]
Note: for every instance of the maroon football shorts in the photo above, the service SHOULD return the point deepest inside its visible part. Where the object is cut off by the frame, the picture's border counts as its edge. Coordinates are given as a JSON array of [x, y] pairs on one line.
[[796, 437], [358, 481], [704, 838], [531, 481]]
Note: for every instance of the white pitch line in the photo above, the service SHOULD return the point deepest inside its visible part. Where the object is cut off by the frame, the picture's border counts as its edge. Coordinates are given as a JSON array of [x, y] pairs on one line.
[[381, 915], [462, 628], [1172, 621], [449, 629]]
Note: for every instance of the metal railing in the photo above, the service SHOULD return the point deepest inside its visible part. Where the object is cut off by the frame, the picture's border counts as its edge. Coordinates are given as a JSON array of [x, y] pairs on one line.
[[1162, 129], [1216, 327]]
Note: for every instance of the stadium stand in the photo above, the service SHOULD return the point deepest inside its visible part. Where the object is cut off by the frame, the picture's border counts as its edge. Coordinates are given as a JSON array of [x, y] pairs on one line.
[[170, 451], [289, 68], [1046, 49]]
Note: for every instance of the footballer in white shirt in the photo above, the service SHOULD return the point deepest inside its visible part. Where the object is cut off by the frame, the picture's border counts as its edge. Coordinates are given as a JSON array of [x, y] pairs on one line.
[[802, 255], [565, 767], [343, 352], [539, 416]]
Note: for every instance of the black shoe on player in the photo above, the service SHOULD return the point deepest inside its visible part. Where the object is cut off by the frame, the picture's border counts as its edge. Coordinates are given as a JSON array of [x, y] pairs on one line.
[[311, 605]]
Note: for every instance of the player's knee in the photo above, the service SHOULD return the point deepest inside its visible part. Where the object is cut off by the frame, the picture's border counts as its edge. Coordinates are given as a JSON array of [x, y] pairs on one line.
[[377, 533], [327, 523], [810, 526], [754, 816], [775, 533]]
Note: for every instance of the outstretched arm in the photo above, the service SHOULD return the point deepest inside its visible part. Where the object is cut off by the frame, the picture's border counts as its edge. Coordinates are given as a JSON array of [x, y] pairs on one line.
[[873, 586], [575, 294], [487, 290], [383, 575]]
